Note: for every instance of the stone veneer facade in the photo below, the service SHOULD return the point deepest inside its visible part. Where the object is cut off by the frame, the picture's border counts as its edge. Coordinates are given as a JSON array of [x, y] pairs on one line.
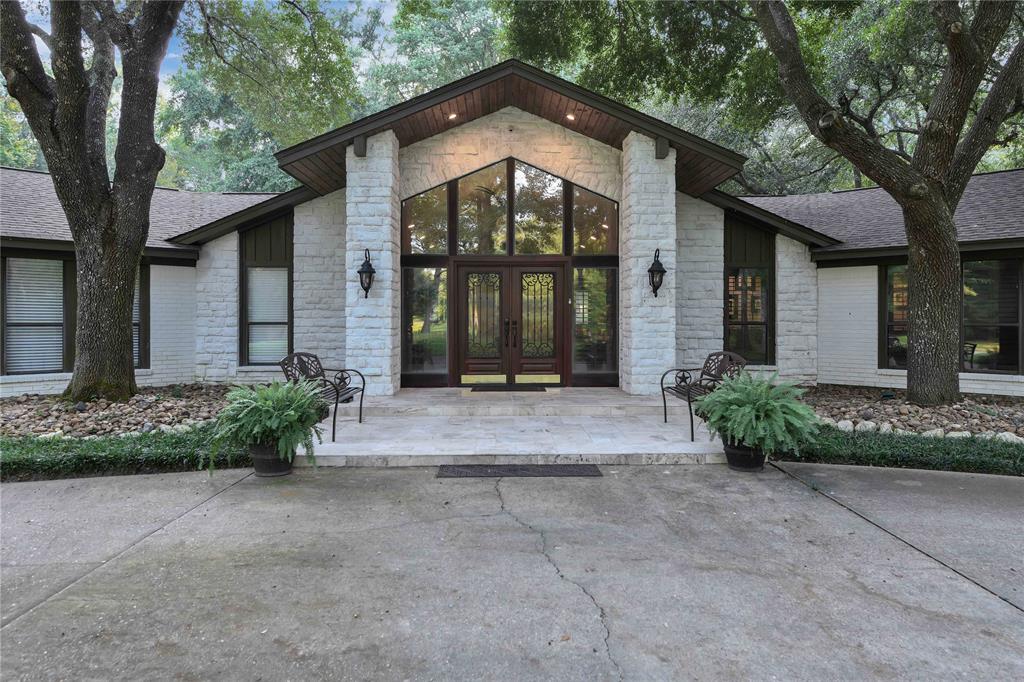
[[372, 322], [647, 222], [194, 311], [700, 286]]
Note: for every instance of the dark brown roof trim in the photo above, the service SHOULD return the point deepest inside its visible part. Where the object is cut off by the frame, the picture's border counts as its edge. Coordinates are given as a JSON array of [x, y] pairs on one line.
[[235, 221], [777, 223], [866, 256], [61, 246], [382, 120]]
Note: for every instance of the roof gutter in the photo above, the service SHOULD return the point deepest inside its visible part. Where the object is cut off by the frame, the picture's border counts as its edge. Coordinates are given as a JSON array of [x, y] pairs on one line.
[[163, 252], [836, 256]]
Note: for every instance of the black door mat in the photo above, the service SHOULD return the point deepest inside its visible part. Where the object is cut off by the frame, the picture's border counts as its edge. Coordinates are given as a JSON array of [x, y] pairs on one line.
[[516, 470], [503, 388]]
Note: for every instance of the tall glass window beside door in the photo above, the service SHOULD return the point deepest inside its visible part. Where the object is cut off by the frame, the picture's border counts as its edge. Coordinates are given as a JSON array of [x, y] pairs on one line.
[[594, 321], [425, 320]]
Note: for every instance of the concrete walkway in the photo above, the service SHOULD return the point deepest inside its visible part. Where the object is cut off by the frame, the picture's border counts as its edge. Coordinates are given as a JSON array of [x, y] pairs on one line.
[[648, 573]]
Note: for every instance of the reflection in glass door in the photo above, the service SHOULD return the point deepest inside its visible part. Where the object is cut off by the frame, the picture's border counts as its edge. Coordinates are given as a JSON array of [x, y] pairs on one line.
[[536, 326], [485, 326]]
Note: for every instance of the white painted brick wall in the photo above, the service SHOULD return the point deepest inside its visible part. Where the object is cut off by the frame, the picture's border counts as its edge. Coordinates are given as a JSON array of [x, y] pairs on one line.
[[511, 132], [372, 325], [796, 311], [319, 278], [700, 286], [172, 307], [848, 337], [647, 218]]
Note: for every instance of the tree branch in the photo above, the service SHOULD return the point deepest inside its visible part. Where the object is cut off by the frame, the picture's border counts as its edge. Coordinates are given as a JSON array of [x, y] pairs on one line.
[[41, 34], [969, 52], [879, 163], [1003, 101], [27, 80], [116, 25]]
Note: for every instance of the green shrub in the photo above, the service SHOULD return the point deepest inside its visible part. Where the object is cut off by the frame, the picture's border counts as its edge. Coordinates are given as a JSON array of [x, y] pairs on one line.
[[748, 410], [283, 415], [975, 455], [33, 458]]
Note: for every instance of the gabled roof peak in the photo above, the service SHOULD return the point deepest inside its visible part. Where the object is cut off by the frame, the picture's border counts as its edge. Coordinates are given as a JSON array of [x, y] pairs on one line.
[[319, 163]]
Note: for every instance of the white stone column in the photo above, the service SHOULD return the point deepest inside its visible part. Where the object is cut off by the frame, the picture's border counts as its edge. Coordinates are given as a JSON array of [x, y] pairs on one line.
[[700, 286], [372, 325], [647, 326]]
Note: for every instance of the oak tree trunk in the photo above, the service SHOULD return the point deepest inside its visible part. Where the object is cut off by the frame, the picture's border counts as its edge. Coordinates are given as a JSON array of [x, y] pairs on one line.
[[935, 289], [105, 272]]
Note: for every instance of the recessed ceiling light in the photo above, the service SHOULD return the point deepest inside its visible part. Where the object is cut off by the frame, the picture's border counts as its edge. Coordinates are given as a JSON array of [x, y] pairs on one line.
[[571, 117], [452, 116]]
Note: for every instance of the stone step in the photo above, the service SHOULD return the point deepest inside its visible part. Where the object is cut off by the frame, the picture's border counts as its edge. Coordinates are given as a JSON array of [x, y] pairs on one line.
[[553, 408], [628, 459], [432, 440]]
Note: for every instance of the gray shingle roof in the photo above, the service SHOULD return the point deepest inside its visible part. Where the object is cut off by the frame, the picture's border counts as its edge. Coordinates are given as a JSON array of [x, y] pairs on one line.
[[29, 209], [992, 208]]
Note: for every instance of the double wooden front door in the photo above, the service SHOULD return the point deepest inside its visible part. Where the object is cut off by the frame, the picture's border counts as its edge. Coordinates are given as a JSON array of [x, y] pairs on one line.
[[511, 323]]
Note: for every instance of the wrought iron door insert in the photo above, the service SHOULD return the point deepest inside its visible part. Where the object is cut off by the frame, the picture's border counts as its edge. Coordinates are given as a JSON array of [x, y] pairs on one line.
[[511, 326]]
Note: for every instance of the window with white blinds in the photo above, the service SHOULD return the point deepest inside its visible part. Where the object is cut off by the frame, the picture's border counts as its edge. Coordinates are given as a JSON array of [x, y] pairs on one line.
[[33, 316], [137, 322], [267, 314]]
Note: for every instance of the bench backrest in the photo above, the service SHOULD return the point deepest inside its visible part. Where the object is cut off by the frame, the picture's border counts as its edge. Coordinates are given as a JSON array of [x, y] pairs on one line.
[[298, 366]]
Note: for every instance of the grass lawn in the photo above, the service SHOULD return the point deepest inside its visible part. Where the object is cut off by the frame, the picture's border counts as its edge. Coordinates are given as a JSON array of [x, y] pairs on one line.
[[30, 458], [973, 455]]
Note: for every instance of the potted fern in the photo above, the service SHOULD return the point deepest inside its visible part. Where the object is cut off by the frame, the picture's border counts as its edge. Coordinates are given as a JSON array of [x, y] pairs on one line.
[[272, 421], [756, 418]]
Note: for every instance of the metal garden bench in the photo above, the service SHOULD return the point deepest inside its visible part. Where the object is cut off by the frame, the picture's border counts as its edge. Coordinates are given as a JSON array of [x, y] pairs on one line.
[[692, 383], [339, 387]]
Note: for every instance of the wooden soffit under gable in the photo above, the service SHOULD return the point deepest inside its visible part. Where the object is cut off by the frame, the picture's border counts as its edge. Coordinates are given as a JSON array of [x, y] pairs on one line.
[[319, 163]]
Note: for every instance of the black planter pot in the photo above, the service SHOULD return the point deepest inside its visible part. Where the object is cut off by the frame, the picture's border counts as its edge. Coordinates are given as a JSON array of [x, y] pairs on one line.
[[267, 462], [743, 458]]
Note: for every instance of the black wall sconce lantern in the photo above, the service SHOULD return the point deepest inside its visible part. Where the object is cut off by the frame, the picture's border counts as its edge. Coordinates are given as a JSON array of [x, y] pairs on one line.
[[366, 273], [656, 272]]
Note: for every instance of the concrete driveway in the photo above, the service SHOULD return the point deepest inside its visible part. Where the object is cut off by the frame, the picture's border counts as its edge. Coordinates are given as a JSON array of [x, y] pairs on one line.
[[648, 573]]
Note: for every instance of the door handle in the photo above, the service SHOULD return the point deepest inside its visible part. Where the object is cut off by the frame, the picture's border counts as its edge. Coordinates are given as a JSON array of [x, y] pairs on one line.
[[515, 333], [506, 332]]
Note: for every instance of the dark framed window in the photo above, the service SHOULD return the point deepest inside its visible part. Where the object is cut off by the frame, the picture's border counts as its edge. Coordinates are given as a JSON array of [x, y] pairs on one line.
[[538, 201], [509, 208], [425, 321], [595, 222], [265, 303], [39, 296], [992, 311], [896, 294], [595, 324], [749, 292]]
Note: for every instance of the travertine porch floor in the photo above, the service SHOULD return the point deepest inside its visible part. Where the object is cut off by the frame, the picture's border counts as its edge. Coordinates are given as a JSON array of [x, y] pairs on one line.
[[420, 427]]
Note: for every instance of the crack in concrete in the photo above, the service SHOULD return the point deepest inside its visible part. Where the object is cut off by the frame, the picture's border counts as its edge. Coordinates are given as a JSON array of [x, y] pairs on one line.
[[602, 614]]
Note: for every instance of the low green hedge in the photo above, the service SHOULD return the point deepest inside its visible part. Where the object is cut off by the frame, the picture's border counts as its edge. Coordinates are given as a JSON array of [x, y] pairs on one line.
[[974, 455], [30, 458]]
